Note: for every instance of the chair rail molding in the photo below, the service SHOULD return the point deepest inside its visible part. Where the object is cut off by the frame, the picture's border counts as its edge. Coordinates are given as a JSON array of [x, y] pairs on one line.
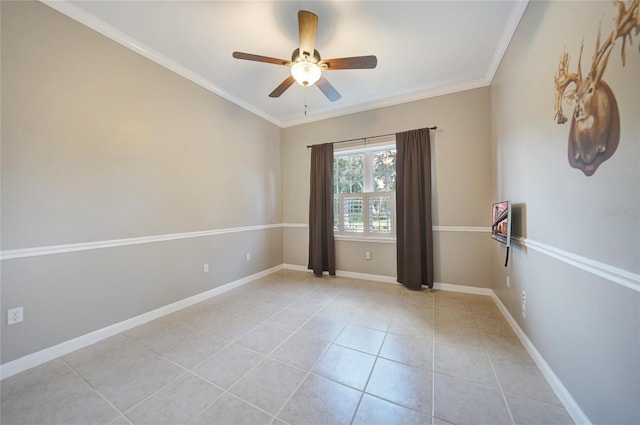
[[12, 254], [613, 274]]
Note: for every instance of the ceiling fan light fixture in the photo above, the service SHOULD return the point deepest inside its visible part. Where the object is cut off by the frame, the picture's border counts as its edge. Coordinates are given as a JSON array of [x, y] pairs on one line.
[[306, 65], [305, 73]]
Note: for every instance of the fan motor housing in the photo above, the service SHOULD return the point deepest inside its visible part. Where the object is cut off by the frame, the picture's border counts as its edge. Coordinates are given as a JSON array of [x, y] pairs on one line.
[[296, 57]]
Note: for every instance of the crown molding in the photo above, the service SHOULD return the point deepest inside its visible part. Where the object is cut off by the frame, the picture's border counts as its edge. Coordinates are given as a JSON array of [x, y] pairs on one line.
[[77, 14], [398, 100], [507, 35], [67, 8]]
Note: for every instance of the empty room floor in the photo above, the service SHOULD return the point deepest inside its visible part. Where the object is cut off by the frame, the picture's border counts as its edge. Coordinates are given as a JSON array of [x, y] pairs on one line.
[[290, 348]]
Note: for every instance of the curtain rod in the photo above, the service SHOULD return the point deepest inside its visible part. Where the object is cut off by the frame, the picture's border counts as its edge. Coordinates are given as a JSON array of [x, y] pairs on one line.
[[370, 137]]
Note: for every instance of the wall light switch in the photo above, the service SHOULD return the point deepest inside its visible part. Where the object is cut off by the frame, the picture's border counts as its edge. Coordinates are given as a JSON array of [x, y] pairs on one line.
[[15, 315], [367, 255]]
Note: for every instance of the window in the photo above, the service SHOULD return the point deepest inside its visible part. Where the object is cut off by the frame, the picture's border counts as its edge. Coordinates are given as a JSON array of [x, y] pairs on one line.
[[364, 184]]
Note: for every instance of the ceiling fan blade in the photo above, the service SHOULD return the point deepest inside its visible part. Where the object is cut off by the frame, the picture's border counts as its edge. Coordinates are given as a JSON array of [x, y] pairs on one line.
[[258, 58], [356, 62], [307, 29], [288, 82], [328, 90]]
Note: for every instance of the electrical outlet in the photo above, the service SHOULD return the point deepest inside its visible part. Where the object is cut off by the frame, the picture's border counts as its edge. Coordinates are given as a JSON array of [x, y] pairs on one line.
[[367, 255], [206, 268], [524, 303], [508, 282], [248, 256], [15, 315]]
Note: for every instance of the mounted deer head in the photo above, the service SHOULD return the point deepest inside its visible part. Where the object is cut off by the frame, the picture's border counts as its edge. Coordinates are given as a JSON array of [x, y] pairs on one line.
[[595, 123]]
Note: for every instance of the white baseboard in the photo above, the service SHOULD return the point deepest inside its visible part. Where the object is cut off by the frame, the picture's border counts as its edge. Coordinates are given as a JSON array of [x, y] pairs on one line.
[[365, 276], [562, 393], [35, 359], [393, 279], [31, 360], [462, 288], [353, 275], [295, 267]]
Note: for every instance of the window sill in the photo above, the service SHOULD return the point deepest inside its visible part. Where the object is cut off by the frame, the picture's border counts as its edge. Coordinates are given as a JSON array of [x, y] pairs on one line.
[[364, 239]]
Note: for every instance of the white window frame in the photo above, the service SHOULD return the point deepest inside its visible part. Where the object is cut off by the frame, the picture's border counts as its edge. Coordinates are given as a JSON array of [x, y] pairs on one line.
[[366, 234]]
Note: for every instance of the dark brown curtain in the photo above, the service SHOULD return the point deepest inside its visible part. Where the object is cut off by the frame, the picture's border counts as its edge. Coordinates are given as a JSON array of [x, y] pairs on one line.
[[322, 255], [414, 233]]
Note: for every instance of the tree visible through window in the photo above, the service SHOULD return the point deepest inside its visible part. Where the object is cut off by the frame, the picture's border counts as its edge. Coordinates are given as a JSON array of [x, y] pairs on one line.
[[364, 184], [348, 173]]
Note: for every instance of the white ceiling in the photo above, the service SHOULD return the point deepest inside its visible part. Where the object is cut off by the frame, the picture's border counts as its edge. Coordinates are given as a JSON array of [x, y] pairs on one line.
[[424, 48]]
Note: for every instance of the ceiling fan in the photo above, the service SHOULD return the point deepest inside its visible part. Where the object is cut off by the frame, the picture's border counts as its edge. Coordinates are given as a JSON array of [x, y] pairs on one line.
[[306, 64]]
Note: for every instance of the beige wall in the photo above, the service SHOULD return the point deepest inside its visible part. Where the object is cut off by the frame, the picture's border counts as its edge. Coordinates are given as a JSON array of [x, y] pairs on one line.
[[461, 152], [579, 263], [99, 144]]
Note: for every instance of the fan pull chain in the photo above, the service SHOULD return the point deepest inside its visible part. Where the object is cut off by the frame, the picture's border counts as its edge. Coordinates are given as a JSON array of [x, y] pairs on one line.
[[305, 101]]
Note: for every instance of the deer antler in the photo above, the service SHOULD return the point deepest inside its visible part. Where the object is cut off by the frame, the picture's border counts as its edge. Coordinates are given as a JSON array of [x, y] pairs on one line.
[[627, 18], [562, 80]]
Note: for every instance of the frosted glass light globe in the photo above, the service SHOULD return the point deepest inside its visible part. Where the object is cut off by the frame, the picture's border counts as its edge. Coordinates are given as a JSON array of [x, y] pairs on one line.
[[305, 73]]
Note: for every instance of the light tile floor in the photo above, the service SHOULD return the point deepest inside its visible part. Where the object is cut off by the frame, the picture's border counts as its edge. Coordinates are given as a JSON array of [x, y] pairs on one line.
[[291, 348]]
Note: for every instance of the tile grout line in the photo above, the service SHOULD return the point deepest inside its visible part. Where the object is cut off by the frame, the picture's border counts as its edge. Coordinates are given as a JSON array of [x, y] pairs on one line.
[[493, 369], [228, 390], [190, 371], [185, 372], [387, 332], [234, 340], [312, 366], [102, 396], [326, 311], [230, 394], [123, 413], [433, 364], [366, 384], [310, 371]]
